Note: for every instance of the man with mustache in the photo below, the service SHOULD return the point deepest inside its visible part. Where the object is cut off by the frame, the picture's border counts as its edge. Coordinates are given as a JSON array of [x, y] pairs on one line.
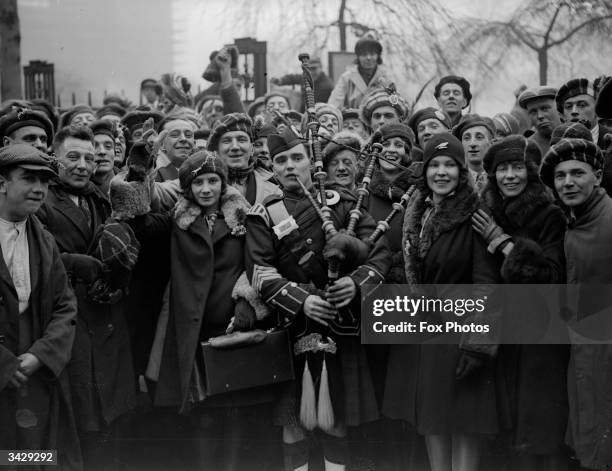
[[453, 95], [576, 103], [232, 139], [540, 105]]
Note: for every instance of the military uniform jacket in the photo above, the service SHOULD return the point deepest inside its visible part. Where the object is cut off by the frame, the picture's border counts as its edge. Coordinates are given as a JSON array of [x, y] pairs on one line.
[[273, 267]]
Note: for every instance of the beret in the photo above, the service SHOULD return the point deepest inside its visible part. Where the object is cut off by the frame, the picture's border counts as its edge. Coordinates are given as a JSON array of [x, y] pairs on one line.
[[443, 144], [278, 143], [570, 149], [113, 109], [470, 120], [199, 163], [511, 148], [570, 130], [603, 107], [229, 122], [428, 113], [67, 117], [135, 119], [19, 118], [536, 93], [576, 86], [462, 82], [368, 42], [27, 156], [104, 126]]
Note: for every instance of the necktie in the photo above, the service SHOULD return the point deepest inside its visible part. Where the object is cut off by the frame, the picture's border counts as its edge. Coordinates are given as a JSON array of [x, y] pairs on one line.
[[210, 221], [480, 181], [85, 208]]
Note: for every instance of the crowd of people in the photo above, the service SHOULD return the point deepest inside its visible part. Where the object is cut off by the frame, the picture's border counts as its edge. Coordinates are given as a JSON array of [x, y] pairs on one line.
[[132, 235]]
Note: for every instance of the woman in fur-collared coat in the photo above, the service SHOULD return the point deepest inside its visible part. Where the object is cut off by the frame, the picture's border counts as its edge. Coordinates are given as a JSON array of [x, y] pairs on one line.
[[447, 391], [209, 296], [521, 207]]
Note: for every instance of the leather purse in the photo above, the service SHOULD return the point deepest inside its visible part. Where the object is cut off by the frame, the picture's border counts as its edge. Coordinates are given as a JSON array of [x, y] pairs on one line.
[[243, 360]]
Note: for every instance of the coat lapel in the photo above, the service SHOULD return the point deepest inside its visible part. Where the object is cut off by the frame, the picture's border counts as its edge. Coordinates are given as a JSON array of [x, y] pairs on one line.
[[74, 214], [358, 81]]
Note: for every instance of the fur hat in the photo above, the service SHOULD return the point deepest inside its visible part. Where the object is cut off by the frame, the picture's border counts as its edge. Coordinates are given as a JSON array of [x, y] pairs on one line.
[[443, 144], [21, 117], [112, 109], [340, 140], [471, 120], [511, 148], [570, 149], [229, 122], [67, 117], [506, 123], [129, 198], [366, 43], [570, 130], [382, 97], [572, 88], [536, 93], [199, 163], [462, 82]]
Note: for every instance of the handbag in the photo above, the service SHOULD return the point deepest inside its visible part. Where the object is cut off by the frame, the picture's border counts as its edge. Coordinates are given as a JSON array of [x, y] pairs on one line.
[[243, 360]]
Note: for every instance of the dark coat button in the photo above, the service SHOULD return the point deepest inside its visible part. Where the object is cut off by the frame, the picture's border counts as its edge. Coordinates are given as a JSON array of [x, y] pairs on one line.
[[2, 339]]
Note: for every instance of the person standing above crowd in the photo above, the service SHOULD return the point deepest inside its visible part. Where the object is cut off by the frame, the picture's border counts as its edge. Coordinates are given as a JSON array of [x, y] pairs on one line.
[[542, 111], [572, 168], [453, 95], [361, 78], [37, 316]]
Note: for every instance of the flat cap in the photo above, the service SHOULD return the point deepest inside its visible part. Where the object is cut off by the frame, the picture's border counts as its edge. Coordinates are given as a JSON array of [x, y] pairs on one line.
[[19, 118], [104, 126], [471, 120], [28, 157], [536, 93], [572, 88]]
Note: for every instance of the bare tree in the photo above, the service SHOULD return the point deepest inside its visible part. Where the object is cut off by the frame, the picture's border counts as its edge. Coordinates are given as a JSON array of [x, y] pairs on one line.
[[541, 26], [10, 52]]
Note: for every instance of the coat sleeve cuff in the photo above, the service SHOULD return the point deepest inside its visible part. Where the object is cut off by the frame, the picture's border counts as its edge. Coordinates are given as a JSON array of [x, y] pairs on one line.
[[289, 298], [366, 274]]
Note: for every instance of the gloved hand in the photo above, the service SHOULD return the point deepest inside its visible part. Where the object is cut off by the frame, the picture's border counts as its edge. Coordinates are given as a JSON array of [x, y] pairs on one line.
[[468, 363], [84, 267], [244, 317], [101, 292], [149, 134], [486, 226]]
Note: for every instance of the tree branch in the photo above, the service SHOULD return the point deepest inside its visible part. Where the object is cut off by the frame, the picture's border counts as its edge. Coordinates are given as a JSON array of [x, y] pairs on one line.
[[552, 24], [578, 28]]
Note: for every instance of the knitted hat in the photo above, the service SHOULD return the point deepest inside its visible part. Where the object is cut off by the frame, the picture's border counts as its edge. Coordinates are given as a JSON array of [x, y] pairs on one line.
[[28, 157], [570, 130], [19, 118], [535, 94], [199, 163], [603, 107], [511, 148], [576, 86], [443, 144], [325, 108], [394, 130], [381, 97], [570, 149], [469, 121], [366, 43], [112, 109], [135, 119], [229, 122], [428, 113], [341, 139], [462, 82], [506, 123], [104, 126], [278, 143], [66, 118]]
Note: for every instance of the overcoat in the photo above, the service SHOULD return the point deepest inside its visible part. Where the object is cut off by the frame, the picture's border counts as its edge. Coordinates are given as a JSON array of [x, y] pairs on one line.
[[351, 88], [535, 375], [101, 368], [52, 311]]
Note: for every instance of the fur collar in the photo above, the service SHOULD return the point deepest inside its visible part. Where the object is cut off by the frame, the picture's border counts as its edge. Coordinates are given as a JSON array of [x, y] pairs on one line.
[[383, 188], [452, 212], [233, 207], [512, 214]]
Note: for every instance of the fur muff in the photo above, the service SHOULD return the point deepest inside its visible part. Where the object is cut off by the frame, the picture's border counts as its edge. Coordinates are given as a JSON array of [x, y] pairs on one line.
[[526, 263], [233, 206], [243, 289], [129, 199], [416, 239]]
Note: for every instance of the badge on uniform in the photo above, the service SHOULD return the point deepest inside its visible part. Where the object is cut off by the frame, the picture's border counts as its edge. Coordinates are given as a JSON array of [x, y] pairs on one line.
[[331, 196], [285, 227]]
